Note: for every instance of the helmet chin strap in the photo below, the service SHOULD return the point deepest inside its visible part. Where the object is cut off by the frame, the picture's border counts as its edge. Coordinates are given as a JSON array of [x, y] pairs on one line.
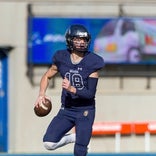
[[79, 50]]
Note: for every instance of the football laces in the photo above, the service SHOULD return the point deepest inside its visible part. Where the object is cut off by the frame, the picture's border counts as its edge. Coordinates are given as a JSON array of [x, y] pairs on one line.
[[43, 106]]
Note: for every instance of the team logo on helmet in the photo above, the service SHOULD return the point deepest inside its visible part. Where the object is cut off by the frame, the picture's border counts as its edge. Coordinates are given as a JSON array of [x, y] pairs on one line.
[[82, 34]]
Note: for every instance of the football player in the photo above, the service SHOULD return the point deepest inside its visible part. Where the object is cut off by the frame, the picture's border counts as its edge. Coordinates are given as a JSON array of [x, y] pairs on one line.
[[78, 68]]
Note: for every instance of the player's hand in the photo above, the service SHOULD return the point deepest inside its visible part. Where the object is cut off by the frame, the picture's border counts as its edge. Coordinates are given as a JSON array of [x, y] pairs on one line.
[[40, 100], [66, 85]]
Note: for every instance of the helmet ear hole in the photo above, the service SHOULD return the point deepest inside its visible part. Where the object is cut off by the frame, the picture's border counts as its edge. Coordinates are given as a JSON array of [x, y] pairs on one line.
[[77, 31]]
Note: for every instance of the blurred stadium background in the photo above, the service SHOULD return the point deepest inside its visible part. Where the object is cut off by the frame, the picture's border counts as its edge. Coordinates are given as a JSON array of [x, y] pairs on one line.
[[125, 121]]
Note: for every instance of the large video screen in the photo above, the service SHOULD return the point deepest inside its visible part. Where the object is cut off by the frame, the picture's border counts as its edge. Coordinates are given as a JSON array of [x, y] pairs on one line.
[[117, 40]]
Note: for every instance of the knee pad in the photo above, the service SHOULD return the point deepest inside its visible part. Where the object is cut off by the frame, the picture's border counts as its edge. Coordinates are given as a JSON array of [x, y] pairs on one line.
[[50, 145], [80, 150]]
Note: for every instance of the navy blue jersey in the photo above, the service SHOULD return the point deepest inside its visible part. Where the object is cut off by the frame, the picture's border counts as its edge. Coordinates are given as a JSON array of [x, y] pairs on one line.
[[77, 74]]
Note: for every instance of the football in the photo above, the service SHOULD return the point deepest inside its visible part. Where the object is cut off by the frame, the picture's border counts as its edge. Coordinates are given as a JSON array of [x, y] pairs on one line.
[[44, 108]]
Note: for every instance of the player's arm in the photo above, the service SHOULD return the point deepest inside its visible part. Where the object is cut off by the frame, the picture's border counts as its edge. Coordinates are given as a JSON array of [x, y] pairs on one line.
[[86, 92], [45, 79], [45, 82], [94, 75]]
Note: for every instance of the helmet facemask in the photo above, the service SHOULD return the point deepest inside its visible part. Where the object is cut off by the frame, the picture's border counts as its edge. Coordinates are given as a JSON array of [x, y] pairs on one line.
[[80, 44]]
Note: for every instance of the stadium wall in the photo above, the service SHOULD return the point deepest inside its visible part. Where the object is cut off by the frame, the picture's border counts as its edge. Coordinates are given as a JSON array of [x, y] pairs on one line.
[[132, 103]]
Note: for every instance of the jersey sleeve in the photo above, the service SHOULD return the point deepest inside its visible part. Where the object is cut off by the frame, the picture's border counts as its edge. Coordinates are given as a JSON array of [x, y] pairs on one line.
[[55, 58], [95, 62], [58, 57], [99, 63]]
